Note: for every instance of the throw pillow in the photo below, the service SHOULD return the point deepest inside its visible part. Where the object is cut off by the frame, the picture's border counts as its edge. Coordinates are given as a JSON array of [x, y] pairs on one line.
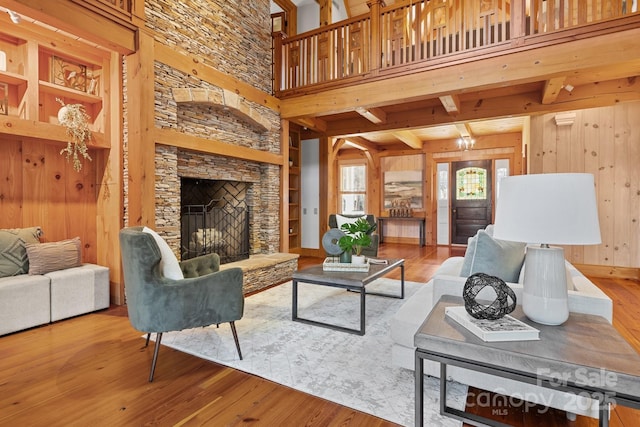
[[169, 263], [13, 254], [47, 257], [341, 219], [468, 256], [494, 257]]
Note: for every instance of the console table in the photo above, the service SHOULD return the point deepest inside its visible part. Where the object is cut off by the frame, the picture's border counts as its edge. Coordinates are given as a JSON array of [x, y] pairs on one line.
[[587, 353], [421, 222]]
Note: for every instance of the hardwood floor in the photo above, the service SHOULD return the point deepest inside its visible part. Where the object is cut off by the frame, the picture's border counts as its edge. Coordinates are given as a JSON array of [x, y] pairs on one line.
[[93, 370]]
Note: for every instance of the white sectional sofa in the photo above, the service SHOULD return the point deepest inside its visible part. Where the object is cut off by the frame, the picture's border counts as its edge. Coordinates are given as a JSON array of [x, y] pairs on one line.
[[585, 297], [54, 286], [32, 300]]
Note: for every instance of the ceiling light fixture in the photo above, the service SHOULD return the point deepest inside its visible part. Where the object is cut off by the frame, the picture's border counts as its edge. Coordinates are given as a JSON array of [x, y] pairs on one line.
[[15, 18], [466, 143]]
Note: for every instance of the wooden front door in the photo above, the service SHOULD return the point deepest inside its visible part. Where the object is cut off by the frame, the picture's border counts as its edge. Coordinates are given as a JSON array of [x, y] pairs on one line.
[[470, 198]]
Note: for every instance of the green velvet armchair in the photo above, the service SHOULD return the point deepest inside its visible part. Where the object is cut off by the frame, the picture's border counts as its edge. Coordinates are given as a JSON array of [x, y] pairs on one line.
[[157, 304]]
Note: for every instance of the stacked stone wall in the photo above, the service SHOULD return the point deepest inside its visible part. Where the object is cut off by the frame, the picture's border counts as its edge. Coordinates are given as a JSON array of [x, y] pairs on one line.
[[232, 36]]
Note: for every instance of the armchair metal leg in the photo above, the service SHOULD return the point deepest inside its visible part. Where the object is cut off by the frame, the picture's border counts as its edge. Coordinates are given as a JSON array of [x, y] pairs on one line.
[[235, 338], [146, 344], [155, 355]]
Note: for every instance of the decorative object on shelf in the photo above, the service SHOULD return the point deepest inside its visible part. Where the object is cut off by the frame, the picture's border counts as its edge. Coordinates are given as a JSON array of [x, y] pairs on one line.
[[554, 208], [504, 303], [330, 242], [4, 99], [93, 79], [401, 208], [76, 120], [357, 236], [68, 74]]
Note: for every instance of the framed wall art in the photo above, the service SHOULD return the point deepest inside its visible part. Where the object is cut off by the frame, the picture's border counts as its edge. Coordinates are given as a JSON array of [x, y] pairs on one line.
[[405, 185], [68, 73]]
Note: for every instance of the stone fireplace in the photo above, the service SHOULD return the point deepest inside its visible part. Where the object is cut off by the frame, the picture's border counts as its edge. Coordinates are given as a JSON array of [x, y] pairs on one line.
[[206, 112]]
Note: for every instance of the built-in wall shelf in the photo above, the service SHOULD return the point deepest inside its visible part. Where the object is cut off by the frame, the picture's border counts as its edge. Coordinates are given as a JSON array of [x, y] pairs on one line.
[[48, 132], [64, 92], [35, 76], [294, 189], [13, 79]]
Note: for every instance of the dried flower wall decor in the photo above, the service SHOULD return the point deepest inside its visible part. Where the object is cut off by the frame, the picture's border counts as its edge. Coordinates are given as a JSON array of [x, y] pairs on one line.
[[75, 118]]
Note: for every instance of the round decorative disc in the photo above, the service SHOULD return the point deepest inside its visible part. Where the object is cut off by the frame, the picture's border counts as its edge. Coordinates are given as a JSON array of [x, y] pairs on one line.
[[330, 241]]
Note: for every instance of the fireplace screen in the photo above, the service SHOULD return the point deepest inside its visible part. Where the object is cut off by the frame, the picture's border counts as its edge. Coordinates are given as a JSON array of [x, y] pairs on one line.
[[215, 217], [215, 229]]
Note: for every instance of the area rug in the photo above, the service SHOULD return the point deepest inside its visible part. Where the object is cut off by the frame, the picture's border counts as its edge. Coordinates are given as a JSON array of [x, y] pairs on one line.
[[352, 370]]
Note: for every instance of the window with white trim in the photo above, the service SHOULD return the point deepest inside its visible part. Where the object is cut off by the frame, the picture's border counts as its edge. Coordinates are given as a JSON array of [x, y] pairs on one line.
[[353, 188]]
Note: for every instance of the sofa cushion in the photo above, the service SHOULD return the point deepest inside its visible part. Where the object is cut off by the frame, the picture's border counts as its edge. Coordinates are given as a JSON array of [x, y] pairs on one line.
[[494, 257], [169, 263], [25, 302], [52, 256], [78, 290], [13, 254]]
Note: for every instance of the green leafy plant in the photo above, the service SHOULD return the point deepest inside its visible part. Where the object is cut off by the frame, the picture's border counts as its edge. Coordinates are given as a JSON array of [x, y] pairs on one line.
[[357, 237], [76, 120]]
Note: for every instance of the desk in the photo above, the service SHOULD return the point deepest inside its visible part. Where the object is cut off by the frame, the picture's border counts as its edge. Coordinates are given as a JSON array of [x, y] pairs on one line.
[[421, 222], [586, 356]]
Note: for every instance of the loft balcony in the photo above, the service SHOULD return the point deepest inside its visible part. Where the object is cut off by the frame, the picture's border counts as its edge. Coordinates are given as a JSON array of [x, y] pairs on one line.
[[413, 36]]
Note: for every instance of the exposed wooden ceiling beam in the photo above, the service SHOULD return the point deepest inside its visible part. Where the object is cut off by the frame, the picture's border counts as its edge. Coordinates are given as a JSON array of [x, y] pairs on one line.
[[374, 115], [451, 103], [588, 96], [552, 88], [362, 143], [338, 144], [313, 123], [409, 138], [464, 130]]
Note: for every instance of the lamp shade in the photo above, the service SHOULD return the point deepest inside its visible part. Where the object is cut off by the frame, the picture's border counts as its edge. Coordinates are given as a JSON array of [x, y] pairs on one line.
[[556, 209]]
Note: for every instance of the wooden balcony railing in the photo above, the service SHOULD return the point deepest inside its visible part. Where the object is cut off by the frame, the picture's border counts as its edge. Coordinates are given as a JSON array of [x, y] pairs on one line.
[[412, 33]]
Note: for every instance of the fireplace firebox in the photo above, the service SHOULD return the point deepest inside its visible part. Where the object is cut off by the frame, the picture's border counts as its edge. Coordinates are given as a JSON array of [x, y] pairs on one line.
[[214, 219]]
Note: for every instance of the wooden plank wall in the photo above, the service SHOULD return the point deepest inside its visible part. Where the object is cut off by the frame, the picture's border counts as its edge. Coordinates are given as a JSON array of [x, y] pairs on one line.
[[38, 187], [605, 142]]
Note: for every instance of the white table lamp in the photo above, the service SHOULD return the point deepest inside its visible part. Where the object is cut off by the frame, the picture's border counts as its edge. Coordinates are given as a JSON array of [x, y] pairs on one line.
[[547, 209]]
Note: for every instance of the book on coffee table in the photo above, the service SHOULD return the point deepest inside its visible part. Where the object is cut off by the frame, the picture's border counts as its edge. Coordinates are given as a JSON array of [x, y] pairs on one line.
[[507, 328]]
